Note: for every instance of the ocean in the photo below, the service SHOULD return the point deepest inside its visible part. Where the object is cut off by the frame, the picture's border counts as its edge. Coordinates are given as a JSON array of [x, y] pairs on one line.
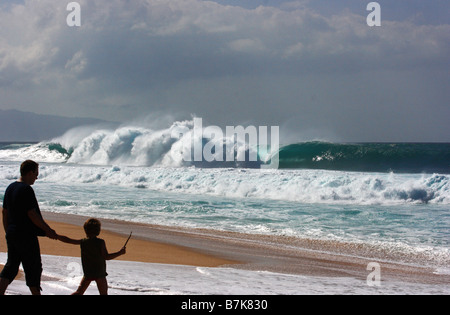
[[389, 200]]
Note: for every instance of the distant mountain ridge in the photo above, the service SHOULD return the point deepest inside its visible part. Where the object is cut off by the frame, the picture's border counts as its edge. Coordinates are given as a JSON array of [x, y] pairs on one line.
[[25, 126]]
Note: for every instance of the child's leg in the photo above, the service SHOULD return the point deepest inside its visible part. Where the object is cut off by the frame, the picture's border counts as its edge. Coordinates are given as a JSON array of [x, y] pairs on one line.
[[84, 284], [102, 286]]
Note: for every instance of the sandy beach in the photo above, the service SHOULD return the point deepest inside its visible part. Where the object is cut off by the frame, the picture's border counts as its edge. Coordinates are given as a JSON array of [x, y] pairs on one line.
[[209, 248], [138, 249]]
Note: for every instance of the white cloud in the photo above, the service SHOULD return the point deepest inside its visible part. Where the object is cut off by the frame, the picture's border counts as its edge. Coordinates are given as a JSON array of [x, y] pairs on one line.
[[247, 45], [77, 64]]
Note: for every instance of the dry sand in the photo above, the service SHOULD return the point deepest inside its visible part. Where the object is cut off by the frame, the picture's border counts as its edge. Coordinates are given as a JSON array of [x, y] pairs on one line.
[[137, 248]]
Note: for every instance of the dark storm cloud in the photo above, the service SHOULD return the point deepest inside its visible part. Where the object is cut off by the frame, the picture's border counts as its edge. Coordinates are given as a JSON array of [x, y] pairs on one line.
[[282, 64]]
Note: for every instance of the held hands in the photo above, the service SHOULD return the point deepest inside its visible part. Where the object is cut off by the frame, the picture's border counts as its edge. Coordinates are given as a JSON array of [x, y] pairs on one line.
[[50, 233]]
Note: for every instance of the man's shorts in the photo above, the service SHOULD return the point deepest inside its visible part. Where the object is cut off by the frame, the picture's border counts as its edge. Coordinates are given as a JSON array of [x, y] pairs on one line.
[[23, 250]]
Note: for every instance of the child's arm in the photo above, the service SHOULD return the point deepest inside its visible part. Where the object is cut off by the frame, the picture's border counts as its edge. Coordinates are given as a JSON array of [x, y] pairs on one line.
[[68, 240], [108, 256]]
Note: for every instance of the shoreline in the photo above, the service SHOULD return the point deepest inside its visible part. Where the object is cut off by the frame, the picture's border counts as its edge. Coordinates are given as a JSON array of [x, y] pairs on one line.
[[212, 248]]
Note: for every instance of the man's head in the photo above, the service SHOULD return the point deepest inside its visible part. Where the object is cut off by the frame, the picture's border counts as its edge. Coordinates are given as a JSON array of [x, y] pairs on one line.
[[29, 172]]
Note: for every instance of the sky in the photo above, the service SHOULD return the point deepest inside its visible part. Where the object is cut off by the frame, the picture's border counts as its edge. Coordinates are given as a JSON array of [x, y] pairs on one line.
[[313, 67]]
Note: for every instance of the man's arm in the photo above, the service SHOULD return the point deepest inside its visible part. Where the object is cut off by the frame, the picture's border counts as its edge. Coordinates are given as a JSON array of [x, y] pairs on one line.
[[5, 218], [40, 223]]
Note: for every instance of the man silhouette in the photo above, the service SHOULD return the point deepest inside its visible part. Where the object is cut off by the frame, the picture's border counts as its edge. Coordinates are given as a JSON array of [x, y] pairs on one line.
[[23, 223]]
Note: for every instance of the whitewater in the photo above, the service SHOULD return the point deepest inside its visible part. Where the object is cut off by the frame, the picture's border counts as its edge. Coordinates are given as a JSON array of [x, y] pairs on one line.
[[62, 276], [137, 174]]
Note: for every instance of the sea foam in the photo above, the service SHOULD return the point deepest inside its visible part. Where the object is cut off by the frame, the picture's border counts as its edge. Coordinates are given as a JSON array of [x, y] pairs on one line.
[[135, 278]]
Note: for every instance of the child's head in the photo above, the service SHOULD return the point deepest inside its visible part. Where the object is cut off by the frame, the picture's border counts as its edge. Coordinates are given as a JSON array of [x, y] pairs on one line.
[[92, 227]]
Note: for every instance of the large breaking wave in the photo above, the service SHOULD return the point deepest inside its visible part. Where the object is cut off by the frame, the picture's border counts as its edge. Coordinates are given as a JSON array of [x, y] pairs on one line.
[[134, 146], [166, 147]]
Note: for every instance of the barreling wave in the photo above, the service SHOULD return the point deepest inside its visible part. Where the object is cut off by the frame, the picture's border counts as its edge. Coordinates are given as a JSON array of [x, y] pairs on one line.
[[140, 146], [368, 157]]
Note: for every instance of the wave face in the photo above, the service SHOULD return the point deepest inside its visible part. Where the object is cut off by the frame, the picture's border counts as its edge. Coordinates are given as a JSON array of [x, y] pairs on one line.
[[140, 146], [368, 157]]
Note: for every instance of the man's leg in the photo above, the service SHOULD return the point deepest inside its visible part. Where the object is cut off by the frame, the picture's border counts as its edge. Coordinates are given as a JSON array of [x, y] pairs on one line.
[[35, 290], [11, 268], [4, 283], [32, 265]]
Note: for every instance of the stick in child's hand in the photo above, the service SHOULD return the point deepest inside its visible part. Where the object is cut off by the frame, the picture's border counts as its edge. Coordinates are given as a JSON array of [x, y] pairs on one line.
[[127, 240]]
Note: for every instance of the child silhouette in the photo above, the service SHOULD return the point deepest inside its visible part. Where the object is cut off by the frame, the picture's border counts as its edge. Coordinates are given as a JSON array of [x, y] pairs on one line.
[[93, 257]]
